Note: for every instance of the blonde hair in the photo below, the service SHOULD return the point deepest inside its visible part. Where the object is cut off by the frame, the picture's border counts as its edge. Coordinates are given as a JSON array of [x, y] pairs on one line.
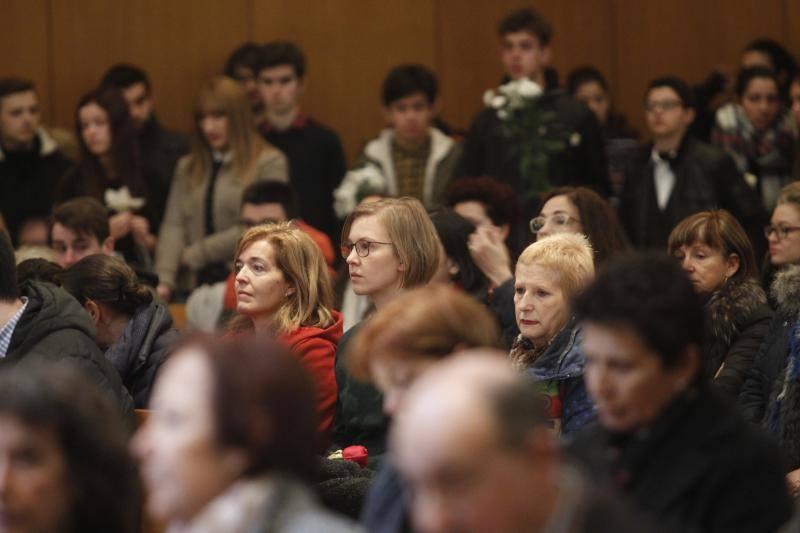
[[790, 194], [424, 323], [410, 230], [223, 96], [567, 255], [300, 260]]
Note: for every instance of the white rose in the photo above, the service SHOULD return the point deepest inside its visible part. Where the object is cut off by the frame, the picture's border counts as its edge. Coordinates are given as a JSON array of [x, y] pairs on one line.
[[508, 88], [499, 101], [502, 114], [487, 97], [528, 89], [515, 100]]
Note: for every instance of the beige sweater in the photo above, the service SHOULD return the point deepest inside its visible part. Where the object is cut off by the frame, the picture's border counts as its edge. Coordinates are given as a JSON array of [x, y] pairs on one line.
[[183, 227]]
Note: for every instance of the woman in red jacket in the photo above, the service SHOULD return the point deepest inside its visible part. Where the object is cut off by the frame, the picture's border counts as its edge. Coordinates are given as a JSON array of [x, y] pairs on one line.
[[283, 289]]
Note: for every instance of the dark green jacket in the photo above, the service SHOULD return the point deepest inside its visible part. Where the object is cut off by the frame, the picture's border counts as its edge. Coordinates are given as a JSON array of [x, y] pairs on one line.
[[359, 408]]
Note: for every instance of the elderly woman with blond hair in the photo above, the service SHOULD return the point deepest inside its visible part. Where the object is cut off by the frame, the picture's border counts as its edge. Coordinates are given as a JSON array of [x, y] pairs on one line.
[[283, 289], [549, 274]]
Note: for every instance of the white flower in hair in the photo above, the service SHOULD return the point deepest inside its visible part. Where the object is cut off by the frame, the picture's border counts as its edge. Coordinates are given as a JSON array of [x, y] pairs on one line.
[[120, 200]]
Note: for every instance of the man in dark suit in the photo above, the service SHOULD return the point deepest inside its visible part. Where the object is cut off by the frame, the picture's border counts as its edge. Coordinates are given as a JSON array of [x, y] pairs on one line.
[[676, 175]]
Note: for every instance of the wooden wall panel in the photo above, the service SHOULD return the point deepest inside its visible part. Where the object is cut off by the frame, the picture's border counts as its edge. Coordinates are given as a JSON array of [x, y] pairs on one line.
[[655, 38], [351, 44], [179, 42], [24, 45], [469, 58], [791, 18], [350, 47]]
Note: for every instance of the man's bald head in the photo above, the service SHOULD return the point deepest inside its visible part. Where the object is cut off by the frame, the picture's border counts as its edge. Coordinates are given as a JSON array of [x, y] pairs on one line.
[[471, 445], [477, 383]]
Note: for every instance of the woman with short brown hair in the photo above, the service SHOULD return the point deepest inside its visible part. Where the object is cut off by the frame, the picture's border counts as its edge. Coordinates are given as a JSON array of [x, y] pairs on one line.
[[716, 254], [394, 348], [230, 443]]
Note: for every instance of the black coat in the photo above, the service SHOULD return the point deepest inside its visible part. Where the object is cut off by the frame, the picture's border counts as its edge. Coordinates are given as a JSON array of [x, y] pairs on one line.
[[705, 178], [27, 181], [141, 349], [316, 168], [738, 320], [54, 327], [486, 151], [766, 378], [699, 467]]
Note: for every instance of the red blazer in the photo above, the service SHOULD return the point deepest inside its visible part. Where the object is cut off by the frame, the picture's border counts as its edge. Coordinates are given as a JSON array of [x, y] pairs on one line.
[[315, 348]]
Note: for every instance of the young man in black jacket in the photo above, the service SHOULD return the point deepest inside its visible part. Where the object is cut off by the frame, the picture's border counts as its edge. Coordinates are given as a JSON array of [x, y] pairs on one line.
[[525, 37], [314, 151], [30, 163]]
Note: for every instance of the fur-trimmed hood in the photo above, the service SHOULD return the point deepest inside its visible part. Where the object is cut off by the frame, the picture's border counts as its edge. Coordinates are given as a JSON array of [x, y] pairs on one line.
[[731, 307], [785, 291]]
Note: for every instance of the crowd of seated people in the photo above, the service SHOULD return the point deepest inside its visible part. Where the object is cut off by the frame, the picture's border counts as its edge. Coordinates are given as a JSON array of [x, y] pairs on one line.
[[234, 330]]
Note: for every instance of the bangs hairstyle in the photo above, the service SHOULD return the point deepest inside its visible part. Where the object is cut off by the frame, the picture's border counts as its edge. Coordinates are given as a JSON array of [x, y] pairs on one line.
[[721, 232], [222, 96], [423, 323], [411, 232], [304, 267], [567, 255]]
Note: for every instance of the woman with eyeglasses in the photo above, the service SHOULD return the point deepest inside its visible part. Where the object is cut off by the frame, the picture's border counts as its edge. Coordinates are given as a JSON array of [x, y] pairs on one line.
[[283, 289], [770, 395], [581, 210], [564, 210], [758, 132], [390, 246], [717, 256]]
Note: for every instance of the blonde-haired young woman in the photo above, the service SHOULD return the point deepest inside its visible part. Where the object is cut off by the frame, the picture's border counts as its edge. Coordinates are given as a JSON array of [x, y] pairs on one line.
[[200, 225], [390, 246]]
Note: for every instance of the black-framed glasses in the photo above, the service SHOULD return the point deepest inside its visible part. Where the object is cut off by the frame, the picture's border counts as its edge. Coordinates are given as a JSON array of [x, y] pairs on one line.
[[361, 246], [781, 231], [559, 220]]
